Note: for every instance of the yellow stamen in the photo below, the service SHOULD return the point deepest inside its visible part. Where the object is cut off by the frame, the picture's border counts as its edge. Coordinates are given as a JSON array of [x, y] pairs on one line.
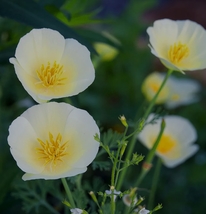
[[51, 151], [154, 87], [50, 75], [178, 52], [166, 144]]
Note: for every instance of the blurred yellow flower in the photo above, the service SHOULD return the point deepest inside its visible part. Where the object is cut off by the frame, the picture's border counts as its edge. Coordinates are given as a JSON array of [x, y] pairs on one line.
[[53, 140], [176, 92], [50, 66], [180, 45], [176, 144], [151, 85], [105, 51]]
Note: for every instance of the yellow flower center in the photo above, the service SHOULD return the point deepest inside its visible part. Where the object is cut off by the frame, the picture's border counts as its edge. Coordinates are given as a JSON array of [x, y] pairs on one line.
[[52, 150], [154, 87], [166, 144], [51, 75], [178, 52]]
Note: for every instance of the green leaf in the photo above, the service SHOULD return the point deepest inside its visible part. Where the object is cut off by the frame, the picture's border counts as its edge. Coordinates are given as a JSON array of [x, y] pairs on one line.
[[31, 13]]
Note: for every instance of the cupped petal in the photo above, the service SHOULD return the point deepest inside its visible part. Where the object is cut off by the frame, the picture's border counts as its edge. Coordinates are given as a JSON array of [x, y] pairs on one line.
[[49, 117], [48, 176], [38, 47], [23, 143], [78, 66], [185, 153], [81, 141], [182, 92], [162, 35], [181, 128]]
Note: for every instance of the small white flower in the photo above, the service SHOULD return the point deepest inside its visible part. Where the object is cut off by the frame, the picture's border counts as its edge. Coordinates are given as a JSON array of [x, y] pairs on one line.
[[115, 192], [53, 140], [176, 144], [76, 211], [144, 211], [180, 45], [49, 66]]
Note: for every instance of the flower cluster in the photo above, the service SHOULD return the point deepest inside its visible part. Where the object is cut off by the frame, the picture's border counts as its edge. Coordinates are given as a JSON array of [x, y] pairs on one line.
[[52, 140]]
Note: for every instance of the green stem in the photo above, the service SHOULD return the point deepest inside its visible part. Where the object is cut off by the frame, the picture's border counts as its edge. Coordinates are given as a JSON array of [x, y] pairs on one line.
[[132, 144], [154, 184], [68, 192], [152, 103], [147, 164]]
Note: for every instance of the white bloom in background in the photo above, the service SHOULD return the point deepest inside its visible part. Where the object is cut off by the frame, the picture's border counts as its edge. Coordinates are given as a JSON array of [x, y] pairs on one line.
[[128, 200], [144, 211], [76, 211], [53, 140], [183, 91], [151, 85], [176, 144], [180, 45], [176, 92], [49, 66]]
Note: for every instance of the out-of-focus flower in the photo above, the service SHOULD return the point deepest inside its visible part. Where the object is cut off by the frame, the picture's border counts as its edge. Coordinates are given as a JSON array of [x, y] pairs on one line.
[[144, 211], [115, 192], [128, 200], [50, 66], [182, 92], [176, 92], [53, 140], [105, 51], [176, 144], [78, 211], [180, 45], [151, 85]]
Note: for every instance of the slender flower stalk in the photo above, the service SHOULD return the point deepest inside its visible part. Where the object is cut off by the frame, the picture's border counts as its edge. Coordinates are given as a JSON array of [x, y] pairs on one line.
[[148, 162], [68, 192], [147, 112], [154, 183]]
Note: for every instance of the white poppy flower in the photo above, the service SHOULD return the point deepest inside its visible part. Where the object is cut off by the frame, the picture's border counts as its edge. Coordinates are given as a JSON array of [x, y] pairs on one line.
[[50, 66], [180, 45], [176, 92], [53, 140], [176, 144], [151, 85]]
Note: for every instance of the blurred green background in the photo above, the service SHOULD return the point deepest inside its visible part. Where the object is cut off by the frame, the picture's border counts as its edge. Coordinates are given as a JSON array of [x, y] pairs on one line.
[[115, 91]]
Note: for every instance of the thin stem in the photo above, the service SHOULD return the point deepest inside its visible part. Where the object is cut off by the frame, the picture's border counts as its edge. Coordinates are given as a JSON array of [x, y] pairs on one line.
[[68, 192], [152, 103], [147, 164], [154, 184], [132, 144]]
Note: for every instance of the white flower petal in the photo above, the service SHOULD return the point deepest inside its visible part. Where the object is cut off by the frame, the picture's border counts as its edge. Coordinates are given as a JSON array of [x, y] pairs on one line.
[[22, 141], [186, 152], [76, 59]]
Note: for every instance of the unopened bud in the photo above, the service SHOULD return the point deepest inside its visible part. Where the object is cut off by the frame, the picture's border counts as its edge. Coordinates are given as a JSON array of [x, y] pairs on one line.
[[123, 120]]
